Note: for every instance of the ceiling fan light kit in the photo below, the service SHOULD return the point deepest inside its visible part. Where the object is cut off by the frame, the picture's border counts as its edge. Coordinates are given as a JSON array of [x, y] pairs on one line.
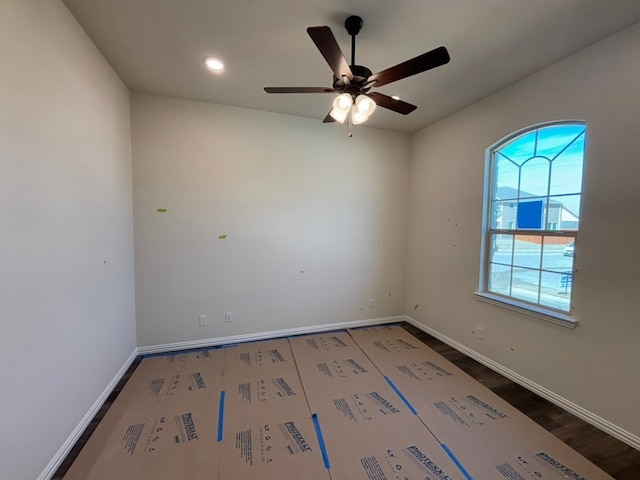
[[353, 82], [361, 108]]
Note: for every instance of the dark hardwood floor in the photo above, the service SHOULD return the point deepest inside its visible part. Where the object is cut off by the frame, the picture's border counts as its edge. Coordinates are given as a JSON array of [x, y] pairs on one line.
[[613, 456], [616, 458]]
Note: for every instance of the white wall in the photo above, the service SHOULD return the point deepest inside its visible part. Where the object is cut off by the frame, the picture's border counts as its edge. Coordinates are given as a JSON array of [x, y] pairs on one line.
[[315, 221], [597, 365], [66, 235]]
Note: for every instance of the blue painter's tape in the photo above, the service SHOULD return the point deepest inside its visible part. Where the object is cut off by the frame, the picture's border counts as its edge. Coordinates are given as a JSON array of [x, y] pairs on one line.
[[457, 462], [323, 448], [221, 415], [401, 395]]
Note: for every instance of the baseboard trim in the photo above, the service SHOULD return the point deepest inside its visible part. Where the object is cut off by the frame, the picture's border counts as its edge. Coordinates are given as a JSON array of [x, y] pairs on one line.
[[580, 412], [251, 337], [66, 447]]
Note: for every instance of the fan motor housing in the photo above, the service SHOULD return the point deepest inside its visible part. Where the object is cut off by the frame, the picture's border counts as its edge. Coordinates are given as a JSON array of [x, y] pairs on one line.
[[354, 86]]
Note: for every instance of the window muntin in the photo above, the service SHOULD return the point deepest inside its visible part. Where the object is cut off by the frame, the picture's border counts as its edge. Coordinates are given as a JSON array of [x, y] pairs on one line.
[[533, 209]]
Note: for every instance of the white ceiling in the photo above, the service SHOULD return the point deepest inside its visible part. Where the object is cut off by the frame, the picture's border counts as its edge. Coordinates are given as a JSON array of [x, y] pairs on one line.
[[158, 46]]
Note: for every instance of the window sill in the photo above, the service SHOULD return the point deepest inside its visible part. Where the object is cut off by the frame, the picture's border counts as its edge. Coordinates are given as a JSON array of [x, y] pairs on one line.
[[539, 313]]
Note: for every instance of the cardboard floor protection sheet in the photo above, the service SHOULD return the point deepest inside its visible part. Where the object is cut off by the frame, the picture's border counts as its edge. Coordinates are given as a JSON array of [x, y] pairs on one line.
[[268, 429], [163, 425], [487, 435], [364, 404], [369, 433]]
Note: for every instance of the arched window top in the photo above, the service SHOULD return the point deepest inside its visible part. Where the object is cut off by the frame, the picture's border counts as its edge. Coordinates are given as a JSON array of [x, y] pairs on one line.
[[548, 141], [541, 161]]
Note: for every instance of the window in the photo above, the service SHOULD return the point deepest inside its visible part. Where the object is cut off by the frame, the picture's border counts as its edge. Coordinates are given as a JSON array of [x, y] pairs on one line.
[[532, 205]]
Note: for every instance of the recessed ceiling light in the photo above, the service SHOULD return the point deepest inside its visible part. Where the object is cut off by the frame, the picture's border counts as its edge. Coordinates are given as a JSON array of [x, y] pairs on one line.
[[395, 97], [214, 64]]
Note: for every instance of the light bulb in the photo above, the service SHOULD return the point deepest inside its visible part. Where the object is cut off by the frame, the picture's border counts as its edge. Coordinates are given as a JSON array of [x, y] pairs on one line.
[[344, 102], [341, 106], [363, 106], [339, 115], [358, 117]]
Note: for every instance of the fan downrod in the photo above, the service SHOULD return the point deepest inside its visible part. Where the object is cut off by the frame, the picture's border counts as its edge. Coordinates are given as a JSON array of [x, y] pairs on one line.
[[353, 25]]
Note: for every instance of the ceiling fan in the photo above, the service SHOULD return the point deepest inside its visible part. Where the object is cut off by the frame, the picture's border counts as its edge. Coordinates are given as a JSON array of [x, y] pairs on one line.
[[353, 82]]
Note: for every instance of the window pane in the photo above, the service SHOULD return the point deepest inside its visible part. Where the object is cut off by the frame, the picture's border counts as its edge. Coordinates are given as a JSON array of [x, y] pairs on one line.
[[566, 170], [505, 179], [565, 211], [556, 290], [525, 283], [557, 254], [552, 139], [527, 251], [501, 249], [504, 215], [534, 178], [520, 149], [500, 279]]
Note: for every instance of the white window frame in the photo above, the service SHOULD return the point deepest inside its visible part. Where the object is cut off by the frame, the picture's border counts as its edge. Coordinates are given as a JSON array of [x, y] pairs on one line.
[[549, 314]]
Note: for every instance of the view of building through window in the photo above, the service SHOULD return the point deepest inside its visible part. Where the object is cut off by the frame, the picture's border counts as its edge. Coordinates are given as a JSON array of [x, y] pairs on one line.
[[534, 215]]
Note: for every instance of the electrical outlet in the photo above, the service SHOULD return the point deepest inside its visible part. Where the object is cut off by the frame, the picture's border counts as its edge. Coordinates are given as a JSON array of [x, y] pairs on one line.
[[203, 320], [480, 333], [372, 303], [228, 317]]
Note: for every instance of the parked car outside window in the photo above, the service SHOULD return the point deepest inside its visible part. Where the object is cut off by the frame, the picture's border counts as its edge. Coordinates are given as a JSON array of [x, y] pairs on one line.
[[569, 250]]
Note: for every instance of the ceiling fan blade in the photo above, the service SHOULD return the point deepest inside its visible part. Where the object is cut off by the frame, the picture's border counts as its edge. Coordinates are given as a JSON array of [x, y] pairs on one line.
[[330, 50], [328, 118], [391, 104], [298, 90], [419, 64]]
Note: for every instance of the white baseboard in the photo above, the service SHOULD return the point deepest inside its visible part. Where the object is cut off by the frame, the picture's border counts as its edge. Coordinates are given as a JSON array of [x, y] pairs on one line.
[[580, 412], [66, 447], [250, 337]]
